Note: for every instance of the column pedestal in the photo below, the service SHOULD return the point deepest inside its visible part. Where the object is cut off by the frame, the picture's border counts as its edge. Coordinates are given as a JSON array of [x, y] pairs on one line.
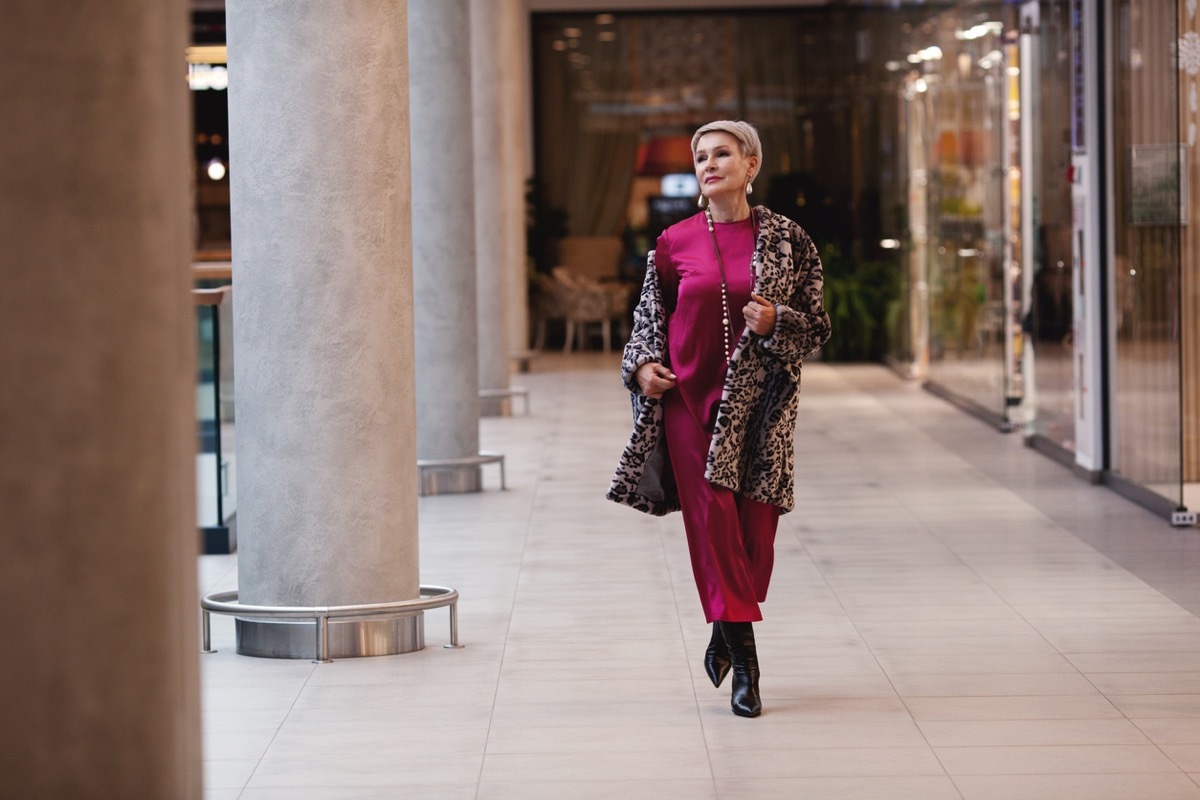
[[347, 638]]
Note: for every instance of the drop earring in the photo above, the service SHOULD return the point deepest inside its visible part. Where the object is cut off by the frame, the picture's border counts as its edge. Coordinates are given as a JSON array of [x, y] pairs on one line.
[[702, 202], [749, 188]]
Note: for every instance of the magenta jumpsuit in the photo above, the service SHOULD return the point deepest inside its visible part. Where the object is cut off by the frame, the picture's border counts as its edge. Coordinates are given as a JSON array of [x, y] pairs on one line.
[[731, 538]]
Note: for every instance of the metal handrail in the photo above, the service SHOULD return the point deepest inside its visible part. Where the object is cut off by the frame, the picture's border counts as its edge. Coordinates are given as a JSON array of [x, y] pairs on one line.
[[226, 603]]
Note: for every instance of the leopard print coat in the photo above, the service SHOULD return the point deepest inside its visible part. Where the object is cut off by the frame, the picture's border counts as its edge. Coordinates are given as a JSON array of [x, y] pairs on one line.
[[752, 449]]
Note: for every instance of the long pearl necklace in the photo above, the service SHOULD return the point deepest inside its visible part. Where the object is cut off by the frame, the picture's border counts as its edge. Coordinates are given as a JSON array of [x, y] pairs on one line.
[[727, 320]]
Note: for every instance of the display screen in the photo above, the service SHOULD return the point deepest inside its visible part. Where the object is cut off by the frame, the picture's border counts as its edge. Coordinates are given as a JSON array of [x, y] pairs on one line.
[[680, 184]]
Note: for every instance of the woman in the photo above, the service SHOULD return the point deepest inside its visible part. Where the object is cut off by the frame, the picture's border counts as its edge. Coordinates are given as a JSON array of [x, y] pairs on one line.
[[730, 307]]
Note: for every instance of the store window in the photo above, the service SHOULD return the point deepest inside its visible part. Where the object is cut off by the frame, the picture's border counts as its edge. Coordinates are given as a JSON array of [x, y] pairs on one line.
[[960, 89], [1155, 231], [1049, 316], [208, 79]]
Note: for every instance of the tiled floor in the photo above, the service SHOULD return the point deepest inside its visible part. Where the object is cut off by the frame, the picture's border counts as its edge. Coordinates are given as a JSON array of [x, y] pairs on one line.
[[952, 616]]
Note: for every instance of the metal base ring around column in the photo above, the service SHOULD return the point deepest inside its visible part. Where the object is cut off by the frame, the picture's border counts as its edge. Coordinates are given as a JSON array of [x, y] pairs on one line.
[[368, 629], [456, 475], [345, 638]]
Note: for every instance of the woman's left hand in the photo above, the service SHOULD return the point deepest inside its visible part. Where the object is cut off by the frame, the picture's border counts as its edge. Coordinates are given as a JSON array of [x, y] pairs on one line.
[[760, 315]]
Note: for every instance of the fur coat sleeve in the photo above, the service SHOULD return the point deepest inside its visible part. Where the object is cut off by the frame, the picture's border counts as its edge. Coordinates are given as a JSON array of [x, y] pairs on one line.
[[752, 449]]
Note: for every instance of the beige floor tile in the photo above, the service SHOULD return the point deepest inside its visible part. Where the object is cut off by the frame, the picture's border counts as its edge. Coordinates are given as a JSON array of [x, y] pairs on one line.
[[236, 720], [250, 698], [999, 708], [525, 690], [984, 685], [962, 645], [1157, 706], [236, 745], [395, 741], [344, 770], [395, 695], [1100, 642], [992, 733], [1062, 759], [1077, 787], [610, 715], [883, 631], [564, 739], [1170, 731], [228, 773], [854, 788], [387, 717], [824, 762], [974, 663], [915, 613], [1135, 662], [814, 735], [1162, 609], [442, 791], [1146, 682], [1187, 756], [594, 766], [211, 793], [599, 790]]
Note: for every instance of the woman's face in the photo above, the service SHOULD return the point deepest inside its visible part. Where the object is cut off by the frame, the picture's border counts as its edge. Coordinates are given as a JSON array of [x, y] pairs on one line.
[[720, 166]]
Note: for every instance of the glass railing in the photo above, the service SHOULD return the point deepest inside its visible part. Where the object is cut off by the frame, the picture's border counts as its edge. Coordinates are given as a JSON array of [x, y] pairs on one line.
[[216, 496]]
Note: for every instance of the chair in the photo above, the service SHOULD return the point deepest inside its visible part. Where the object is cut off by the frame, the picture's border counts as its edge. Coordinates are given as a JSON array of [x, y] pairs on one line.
[[586, 287], [575, 300]]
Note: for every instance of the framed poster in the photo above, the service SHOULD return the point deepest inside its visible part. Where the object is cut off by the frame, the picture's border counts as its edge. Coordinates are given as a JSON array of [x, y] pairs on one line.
[[1158, 184]]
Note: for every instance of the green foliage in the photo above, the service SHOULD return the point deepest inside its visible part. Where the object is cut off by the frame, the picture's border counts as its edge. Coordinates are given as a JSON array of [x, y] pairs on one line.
[[545, 224], [860, 297]]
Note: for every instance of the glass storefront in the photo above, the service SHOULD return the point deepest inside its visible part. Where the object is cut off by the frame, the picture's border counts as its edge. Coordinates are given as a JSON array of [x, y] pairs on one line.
[[1153, 224], [1049, 314], [962, 154]]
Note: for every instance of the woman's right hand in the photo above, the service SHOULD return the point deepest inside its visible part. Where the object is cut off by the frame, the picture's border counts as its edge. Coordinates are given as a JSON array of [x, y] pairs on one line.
[[654, 379]]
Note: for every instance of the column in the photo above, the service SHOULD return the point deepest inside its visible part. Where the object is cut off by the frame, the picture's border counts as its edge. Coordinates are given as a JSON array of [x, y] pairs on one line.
[[100, 684], [323, 318], [443, 213], [512, 42], [492, 234]]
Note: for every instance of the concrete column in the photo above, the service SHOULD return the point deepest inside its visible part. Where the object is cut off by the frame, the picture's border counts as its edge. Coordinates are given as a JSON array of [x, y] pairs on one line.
[[323, 321], [492, 172], [513, 45], [444, 286], [100, 682]]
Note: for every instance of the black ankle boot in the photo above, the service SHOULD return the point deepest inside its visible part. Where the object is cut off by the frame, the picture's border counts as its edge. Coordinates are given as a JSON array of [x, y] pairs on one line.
[[742, 652], [716, 657]]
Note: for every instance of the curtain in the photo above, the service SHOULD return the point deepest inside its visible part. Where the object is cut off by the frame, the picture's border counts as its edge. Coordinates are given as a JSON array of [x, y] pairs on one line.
[[587, 159]]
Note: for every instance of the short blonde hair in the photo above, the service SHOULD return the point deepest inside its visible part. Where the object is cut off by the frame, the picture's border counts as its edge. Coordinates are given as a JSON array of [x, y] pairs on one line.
[[744, 132]]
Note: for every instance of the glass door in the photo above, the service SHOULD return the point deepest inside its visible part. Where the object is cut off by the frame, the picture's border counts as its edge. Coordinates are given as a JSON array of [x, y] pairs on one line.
[[1152, 227], [972, 255], [1049, 314]]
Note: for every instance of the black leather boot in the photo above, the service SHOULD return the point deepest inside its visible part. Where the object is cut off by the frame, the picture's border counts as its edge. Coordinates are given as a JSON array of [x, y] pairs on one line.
[[716, 657], [745, 701]]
